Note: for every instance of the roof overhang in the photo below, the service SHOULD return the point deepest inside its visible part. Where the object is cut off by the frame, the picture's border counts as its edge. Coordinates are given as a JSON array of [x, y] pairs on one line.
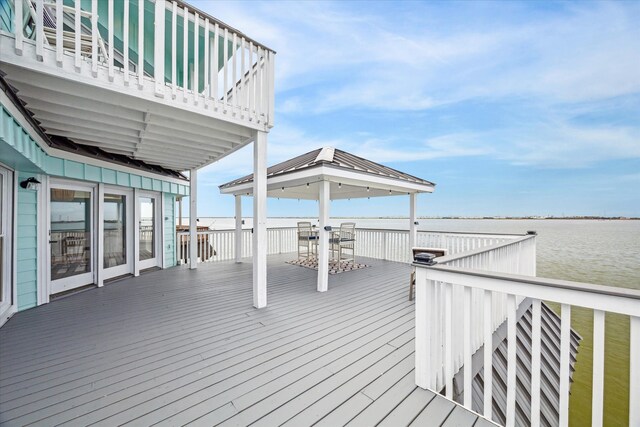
[[345, 184]]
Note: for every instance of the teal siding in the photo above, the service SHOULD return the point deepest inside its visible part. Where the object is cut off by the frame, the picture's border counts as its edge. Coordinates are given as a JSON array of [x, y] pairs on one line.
[[27, 246], [169, 230]]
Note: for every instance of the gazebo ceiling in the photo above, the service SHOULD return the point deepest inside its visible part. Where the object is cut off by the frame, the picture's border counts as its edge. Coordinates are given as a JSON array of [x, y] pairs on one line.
[[350, 177]]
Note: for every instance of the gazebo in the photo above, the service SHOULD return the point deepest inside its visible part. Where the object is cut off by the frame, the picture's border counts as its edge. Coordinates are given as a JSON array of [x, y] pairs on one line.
[[327, 174]]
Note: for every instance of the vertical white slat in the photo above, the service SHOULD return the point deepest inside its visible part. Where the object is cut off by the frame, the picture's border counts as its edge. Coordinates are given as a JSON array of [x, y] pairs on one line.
[[243, 68], [18, 25], [77, 32], [225, 69], [214, 66], [174, 37], [448, 340], [598, 369], [234, 70], [260, 87], [140, 42], [125, 30], [111, 30], [487, 325], [159, 47], [536, 325], [424, 297], [39, 32], [467, 350], [185, 52], [272, 97], [565, 346], [512, 345], [634, 371], [205, 77], [251, 82], [196, 56], [59, 28], [94, 37]]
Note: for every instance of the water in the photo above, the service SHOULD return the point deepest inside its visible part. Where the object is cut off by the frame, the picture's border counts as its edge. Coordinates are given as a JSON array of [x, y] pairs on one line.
[[592, 251]]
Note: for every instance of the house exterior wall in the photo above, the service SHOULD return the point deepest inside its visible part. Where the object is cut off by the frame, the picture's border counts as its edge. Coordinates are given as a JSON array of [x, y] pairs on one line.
[[23, 154]]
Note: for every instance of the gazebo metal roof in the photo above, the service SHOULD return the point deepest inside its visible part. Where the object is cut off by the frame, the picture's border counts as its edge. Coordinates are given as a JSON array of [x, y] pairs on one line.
[[350, 176]]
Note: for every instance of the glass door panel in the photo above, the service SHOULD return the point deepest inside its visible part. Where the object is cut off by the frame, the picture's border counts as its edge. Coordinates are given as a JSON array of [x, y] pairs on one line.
[[115, 230], [70, 238], [6, 215], [147, 228]]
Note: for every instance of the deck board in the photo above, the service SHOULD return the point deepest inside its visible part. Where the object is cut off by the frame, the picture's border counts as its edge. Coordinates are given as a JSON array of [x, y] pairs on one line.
[[180, 346]]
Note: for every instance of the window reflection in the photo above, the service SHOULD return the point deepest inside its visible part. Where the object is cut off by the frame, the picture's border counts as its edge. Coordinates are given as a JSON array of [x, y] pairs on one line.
[[70, 233], [115, 230]]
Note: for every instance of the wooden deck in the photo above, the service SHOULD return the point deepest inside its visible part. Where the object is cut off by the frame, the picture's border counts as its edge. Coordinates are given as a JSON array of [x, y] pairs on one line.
[[179, 347]]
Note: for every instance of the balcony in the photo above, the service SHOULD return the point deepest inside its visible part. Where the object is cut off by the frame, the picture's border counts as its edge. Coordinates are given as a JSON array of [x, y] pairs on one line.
[[131, 78]]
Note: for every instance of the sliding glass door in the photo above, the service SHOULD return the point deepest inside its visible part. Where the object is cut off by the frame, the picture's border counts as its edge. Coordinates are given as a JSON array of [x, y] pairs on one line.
[[71, 236]]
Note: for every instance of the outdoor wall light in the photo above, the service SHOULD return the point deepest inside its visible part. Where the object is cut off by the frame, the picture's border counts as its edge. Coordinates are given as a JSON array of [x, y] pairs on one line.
[[367, 189], [307, 184], [339, 185], [283, 189], [30, 184]]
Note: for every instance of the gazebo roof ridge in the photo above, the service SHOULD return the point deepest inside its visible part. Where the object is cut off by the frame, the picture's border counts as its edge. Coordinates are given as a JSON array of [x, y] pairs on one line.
[[335, 158]]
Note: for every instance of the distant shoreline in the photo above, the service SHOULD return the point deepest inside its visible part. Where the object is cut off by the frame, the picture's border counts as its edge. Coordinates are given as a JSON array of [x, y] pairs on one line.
[[600, 218]]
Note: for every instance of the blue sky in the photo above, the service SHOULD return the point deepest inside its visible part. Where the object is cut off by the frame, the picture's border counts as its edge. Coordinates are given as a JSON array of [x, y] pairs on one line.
[[512, 108]]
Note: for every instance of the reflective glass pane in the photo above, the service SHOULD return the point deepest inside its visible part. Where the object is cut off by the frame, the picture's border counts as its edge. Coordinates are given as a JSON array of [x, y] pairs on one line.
[[115, 230], [70, 233], [147, 230]]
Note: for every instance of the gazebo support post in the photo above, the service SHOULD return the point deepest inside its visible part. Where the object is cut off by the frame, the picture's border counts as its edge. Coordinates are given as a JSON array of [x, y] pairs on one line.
[[260, 220], [193, 219], [324, 197], [238, 237], [413, 229]]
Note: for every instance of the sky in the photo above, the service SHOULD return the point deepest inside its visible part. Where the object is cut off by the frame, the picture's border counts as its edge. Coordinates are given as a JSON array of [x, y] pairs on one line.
[[511, 108]]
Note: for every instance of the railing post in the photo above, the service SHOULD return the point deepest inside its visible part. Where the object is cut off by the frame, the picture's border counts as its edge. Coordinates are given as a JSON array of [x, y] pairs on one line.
[[259, 219], [193, 219], [238, 231], [565, 372]]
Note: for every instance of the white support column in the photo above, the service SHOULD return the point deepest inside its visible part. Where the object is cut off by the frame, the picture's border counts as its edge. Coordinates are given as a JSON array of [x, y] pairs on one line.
[[324, 197], [136, 233], [413, 229], [634, 370], [238, 238], [193, 219], [180, 211], [259, 220]]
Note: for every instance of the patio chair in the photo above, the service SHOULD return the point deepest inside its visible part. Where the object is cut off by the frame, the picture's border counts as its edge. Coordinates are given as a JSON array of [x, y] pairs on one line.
[[343, 241], [438, 252], [307, 240]]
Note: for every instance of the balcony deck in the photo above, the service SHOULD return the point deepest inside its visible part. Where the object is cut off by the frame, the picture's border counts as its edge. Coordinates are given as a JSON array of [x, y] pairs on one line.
[[180, 346]]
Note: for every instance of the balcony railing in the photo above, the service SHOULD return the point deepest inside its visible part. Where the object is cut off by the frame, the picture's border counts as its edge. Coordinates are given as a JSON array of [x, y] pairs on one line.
[[461, 301], [145, 44], [389, 245]]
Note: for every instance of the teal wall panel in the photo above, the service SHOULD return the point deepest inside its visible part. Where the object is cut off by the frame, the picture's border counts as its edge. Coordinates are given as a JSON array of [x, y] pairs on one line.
[[169, 216], [73, 169], [27, 247], [92, 173]]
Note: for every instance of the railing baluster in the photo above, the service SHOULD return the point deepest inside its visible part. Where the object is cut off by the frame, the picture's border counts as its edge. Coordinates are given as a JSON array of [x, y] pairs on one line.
[[140, 43], [243, 90], [512, 345], [77, 34], [488, 355], [468, 350], [174, 47], [59, 27], [159, 47], [39, 30], [111, 29], [196, 57], [125, 53], [19, 26], [234, 79], [185, 53], [634, 371], [215, 66], [424, 348], [565, 372], [535, 361], [448, 340], [225, 69], [598, 368], [250, 83], [205, 77]]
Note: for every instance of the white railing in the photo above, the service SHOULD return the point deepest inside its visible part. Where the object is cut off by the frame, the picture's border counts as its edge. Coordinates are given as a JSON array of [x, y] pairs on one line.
[[213, 67], [456, 315], [390, 245]]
